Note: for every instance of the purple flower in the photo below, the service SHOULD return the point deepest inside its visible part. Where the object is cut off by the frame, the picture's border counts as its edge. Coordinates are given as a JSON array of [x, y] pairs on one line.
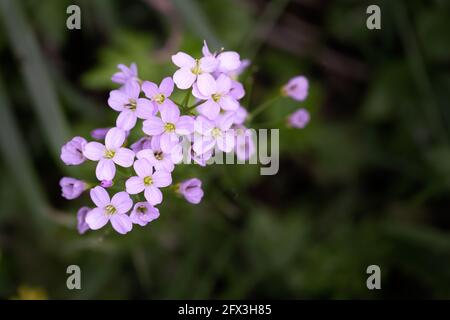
[[227, 61], [169, 126], [191, 190], [211, 133], [216, 93], [148, 181], [296, 88], [113, 210], [240, 115], [299, 119], [109, 154], [100, 133], [72, 151], [244, 65], [106, 183], [237, 90], [191, 68], [125, 74], [159, 95], [82, 225], [126, 100], [141, 144], [143, 213], [158, 158], [244, 145], [72, 188]]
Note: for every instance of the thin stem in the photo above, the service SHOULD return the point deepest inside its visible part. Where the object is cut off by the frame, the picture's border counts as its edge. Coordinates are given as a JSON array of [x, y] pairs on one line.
[[186, 99], [262, 107], [195, 105]]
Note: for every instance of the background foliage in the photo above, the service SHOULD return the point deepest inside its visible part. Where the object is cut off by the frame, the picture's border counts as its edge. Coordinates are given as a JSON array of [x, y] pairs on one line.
[[367, 182]]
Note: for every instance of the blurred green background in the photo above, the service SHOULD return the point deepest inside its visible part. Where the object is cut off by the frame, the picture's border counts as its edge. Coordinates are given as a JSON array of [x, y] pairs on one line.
[[366, 182]]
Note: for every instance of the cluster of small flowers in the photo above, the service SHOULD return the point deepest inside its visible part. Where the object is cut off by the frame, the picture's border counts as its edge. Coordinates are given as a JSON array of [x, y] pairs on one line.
[[214, 122]]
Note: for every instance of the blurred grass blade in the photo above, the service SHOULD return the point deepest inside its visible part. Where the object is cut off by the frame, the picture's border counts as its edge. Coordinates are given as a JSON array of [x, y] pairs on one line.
[[17, 161], [39, 85], [194, 17]]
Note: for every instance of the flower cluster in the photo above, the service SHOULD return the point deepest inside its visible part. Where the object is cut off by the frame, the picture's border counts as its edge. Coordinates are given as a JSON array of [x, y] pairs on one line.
[[138, 171]]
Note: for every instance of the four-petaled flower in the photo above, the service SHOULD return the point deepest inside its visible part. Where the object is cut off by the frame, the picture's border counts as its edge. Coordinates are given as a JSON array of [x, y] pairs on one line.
[[143, 213], [107, 209], [209, 133], [149, 181], [191, 68], [159, 95], [216, 93], [125, 74], [109, 154]]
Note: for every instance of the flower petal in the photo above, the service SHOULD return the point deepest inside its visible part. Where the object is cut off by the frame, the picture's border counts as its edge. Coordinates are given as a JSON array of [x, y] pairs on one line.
[[143, 167], [182, 59], [150, 89], [94, 151], [117, 100], [170, 113], [229, 61], [114, 138], [206, 84], [228, 103], [153, 195], [153, 126], [132, 89], [100, 197], [121, 223], [225, 142], [162, 179], [145, 108], [122, 202], [96, 218], [208, 64], [134, 185], [126, 120], [184, 125], [184, 78], [106, 170], [209, 109], [223, 84], [166, 86]]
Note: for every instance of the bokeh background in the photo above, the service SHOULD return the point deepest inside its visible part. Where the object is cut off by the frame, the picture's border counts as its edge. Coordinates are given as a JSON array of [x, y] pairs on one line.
[[366, 182]]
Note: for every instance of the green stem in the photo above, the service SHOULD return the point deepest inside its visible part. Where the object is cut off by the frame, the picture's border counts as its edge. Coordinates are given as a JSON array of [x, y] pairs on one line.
[[261, 108], [186, 99], [195, 105]]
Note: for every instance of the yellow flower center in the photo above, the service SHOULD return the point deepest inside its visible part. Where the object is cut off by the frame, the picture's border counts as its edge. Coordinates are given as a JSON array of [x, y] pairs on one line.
[[169, 127], [142, 209], [216, 97], [131, 104], [148, 181], [159, 98], [159, 155], [216, 132], [196, 69], [109, 154], [110, 209]]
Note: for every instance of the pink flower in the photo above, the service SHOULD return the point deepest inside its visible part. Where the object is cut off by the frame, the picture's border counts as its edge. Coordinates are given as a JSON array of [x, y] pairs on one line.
[[148, 181], [191, 190], [72, 151], [244, 145], [82, 226], [211, 133], [142, 143], [125, 74], [113, 210], [109, 154], [106, 183], [296, 88], [169, 126], [143, 213], [159, 95], [72, 188], [216, 93], [100, 133], [240, 115], [191, 68], [158, 158], [227, 61], [126, 100], [299, 119]]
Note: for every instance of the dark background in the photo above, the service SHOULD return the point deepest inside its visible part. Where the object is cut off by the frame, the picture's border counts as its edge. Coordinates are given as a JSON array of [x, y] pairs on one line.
[[366, 182]]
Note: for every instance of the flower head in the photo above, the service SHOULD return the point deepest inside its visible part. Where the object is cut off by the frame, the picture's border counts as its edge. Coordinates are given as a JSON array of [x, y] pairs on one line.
[[299, 119], [191, 68], [126, 100], [214, 133], [149, 181], [296, 88], [143, 213], [125, 74], [72, 151], [82, 225], [191, 190], [141, 144], [159, 95], [107, 209], [161, 160], [72, 188], [109, 154], [216, 93]]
